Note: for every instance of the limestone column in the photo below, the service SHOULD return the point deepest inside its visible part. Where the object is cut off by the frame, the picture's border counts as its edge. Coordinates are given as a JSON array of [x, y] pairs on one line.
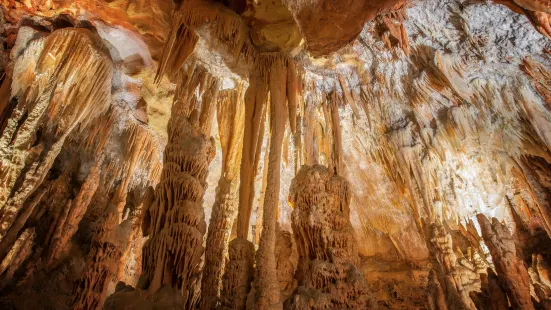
[[175, 220]]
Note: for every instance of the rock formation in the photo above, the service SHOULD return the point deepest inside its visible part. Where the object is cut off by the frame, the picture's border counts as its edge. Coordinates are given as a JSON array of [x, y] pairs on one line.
[[175, 220], [327, 274], [230, 116], [452, 279], [511, 271], [106, 251], [317, 154]]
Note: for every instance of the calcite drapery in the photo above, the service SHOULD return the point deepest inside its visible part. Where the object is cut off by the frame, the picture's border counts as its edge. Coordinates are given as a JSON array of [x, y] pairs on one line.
[[52, 100], [327, 274], [175, 220], [511, 271]]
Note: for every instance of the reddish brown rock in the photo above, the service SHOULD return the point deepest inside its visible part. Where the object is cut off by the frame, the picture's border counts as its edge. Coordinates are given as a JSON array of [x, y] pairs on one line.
[[329, 25], [511, 271]]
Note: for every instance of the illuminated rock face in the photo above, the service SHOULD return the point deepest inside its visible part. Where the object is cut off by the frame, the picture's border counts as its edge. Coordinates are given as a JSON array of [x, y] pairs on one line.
[[408, 119]]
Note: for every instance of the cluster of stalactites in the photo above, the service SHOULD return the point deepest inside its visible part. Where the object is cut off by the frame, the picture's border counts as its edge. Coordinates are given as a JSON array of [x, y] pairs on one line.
[[175, 219], [230, 115], [327, 272], [51, 98]]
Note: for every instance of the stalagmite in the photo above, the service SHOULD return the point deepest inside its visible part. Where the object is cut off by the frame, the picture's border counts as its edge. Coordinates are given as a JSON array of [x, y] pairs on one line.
[[175, 221], [327, 274], [238, 276], [286, 256], [492, 296], [406, 119], [106, 251], [452, 279], [511, 271], [266, 286], [230, 128]]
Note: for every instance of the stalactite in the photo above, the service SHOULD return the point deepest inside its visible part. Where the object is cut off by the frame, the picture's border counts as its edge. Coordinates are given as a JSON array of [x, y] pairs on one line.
[[106, 251], [266, 287], [292, 94], [337, 136], [67, 226], [348, 96], [230, 116], [47, 104], [180, 45], [327, 274], [510, 269], [139, 146], [21, 250], [255, 102], [237, 276], [395, 32], [533, 174]]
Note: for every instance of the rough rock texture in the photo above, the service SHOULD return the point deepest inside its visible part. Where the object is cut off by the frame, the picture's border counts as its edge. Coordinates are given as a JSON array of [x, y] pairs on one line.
[[329, 25], [453, 279], [175, 220], [511, 271], [327, 274], [53, 100], [101, 267]]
